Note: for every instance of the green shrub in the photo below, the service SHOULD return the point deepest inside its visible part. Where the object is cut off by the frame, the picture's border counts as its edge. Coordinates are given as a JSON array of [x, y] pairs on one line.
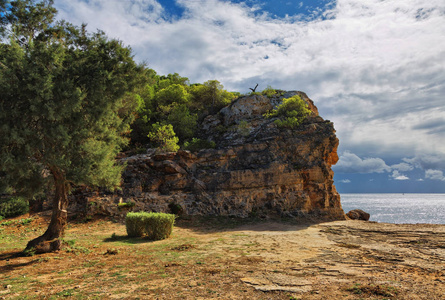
[[156, 226], [164, 137], [291, 112], [134, 223], [269, 91], [197, 144], [243, 128], [13, 207]]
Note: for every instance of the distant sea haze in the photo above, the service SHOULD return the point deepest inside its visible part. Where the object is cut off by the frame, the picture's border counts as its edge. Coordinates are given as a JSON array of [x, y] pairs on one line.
[[398, 208]]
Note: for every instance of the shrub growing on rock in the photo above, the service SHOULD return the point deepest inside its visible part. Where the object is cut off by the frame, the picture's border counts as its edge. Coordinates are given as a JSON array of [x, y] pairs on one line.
[[269, 91], [291, 112], [164, 137], [197, 144], [156, 226]]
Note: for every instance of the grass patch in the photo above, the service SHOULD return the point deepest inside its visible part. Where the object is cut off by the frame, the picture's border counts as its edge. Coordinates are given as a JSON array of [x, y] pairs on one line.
[[374, 290]]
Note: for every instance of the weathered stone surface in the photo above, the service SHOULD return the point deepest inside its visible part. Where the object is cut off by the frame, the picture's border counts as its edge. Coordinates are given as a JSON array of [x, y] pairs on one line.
[[255, 170], [358, 214]]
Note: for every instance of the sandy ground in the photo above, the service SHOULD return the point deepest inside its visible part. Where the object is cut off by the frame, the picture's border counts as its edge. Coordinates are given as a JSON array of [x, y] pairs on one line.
[[265, 260]]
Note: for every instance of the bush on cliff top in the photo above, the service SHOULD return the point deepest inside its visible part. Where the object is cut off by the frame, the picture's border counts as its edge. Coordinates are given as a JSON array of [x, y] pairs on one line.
[[291, 112], [156, 226]]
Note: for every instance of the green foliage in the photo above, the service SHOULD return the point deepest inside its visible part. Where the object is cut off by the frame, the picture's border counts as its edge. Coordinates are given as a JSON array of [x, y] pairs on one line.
[[63, 105], [183, 122], [209, 97], [156, 226], [71, 247], [291, 112], [377, 290], [171, 100], [13, 207], [164, 137], [243, 128], [269, 91], [197, 144], [174, 93]]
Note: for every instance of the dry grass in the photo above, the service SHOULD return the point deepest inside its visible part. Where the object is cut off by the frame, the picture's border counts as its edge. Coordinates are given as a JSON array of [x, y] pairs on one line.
[[224, 258]]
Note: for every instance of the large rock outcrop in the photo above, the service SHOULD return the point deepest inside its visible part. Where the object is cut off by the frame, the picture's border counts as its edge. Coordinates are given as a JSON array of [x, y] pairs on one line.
[[256, 168]]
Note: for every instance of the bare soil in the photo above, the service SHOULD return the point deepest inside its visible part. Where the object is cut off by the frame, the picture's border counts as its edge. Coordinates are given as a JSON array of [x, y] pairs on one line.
[[228, 259]]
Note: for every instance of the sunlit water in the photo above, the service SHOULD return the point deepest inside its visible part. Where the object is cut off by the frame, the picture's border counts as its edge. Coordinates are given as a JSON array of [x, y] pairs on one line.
[[398, 208]]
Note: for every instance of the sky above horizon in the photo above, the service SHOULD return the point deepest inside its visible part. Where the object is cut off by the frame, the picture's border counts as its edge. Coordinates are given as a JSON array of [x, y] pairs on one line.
[[376, 68]]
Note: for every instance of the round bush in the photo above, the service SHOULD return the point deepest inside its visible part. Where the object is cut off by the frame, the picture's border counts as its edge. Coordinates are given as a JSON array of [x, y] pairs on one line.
[[156, 226]]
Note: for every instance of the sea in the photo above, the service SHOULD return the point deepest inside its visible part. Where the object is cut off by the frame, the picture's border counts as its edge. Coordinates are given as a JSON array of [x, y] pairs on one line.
[[398, 208]]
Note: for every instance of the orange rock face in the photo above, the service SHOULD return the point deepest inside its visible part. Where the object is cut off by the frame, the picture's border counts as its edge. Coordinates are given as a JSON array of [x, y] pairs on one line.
[[257, 169]]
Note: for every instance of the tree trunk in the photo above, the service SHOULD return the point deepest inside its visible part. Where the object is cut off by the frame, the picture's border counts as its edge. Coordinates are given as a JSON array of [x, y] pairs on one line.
[[51, 240]]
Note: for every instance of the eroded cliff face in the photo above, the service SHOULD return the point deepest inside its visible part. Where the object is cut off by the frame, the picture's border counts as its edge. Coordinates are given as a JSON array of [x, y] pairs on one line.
[[257, 169]]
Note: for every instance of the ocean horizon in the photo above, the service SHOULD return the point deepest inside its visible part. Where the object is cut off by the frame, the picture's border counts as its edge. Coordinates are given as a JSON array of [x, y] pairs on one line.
[[398, 208]]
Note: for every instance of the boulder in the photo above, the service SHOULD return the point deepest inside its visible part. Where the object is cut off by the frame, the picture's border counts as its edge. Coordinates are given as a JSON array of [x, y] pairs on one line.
[[358, 214]]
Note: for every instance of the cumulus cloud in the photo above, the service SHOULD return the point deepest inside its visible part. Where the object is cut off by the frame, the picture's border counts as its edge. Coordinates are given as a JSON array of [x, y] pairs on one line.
[[398, 176], [351, 163], [402, 167], [372, 67], [427, 161], [434, 175]]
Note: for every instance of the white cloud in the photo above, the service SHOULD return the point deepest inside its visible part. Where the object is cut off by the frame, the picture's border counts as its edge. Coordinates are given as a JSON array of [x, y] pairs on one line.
[[371, 66], [345, 181], [398, 176], [434, 175], [427, 161], [403, 167], [351, 163]]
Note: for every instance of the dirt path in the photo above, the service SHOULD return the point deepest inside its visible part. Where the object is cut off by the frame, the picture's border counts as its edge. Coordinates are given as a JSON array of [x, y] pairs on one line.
[[266, 260]]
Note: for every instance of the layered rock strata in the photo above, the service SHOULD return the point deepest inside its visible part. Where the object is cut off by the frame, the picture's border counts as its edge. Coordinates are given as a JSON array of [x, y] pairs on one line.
[[257, 169]]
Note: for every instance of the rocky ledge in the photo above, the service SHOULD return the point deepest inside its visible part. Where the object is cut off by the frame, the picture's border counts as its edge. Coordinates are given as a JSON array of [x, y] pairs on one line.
[[256, 169]]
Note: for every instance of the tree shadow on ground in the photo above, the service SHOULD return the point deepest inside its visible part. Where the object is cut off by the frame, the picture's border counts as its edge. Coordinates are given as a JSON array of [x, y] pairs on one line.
[[9, 258], [127, 240], [206, 224]]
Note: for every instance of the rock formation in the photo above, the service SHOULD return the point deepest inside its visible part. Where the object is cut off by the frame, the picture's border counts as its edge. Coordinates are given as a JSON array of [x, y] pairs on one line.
[[358, 214], [256, 168]]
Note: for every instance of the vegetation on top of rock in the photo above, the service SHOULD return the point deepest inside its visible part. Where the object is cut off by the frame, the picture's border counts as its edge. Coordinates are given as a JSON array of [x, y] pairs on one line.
[[197, 144], [291, 112], [164, 137], [172, 100], [269, 91]]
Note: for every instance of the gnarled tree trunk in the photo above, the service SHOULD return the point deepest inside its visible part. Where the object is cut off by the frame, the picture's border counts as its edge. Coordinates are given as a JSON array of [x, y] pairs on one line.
[[51, 239]]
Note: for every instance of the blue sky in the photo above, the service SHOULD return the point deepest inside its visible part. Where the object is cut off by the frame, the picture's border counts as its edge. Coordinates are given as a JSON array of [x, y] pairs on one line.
[[376, 68]]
